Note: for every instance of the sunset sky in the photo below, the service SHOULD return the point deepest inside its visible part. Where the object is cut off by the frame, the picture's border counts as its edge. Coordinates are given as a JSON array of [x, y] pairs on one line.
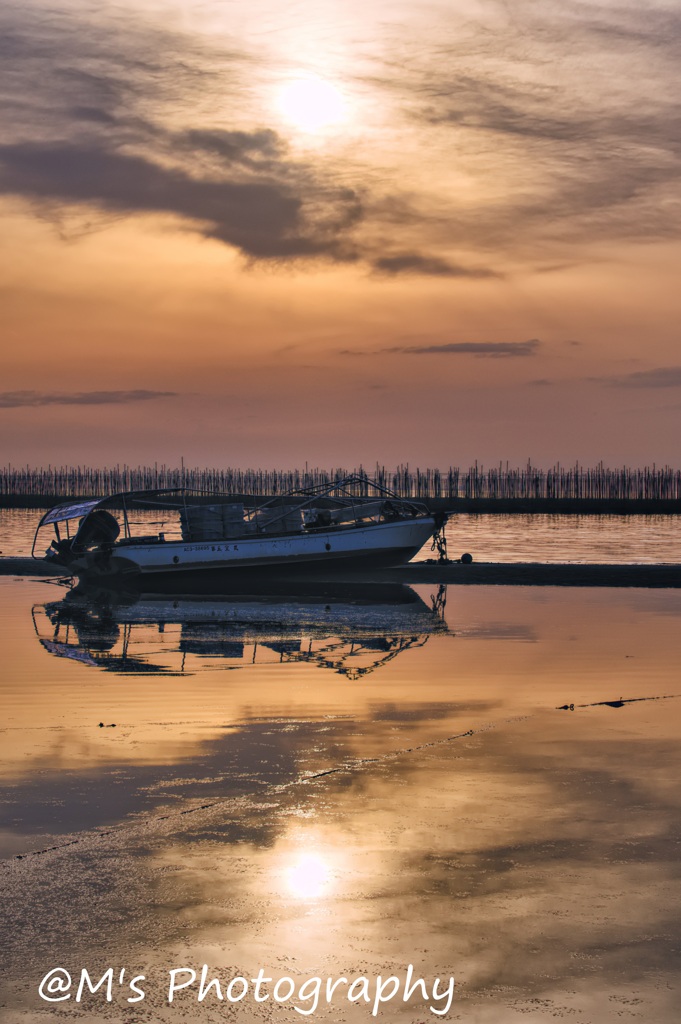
[[263, 233]]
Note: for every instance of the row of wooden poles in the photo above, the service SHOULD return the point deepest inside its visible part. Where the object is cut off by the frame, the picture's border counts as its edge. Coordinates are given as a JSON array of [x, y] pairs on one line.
[[600, 482]]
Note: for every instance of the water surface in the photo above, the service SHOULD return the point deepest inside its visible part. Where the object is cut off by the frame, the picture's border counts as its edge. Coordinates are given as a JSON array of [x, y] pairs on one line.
[[344, 784]]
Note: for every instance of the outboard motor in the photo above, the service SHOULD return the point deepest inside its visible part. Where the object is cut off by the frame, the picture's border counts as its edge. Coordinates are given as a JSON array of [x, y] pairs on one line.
[[61, 552], [99, 527]]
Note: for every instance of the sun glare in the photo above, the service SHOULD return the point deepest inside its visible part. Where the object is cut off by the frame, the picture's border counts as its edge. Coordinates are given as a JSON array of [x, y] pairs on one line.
[[311, 103]]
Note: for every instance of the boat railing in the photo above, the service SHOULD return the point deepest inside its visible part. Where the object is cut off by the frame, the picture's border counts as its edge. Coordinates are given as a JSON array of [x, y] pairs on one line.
[[320, 507]]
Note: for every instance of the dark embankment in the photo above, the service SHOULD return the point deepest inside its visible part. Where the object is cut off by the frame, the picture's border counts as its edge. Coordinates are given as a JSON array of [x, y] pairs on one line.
[[524, 574], [520, 506]]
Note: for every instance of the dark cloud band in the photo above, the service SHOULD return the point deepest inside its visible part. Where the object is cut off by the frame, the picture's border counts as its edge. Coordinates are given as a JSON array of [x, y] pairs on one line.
[[660, 377], [432, 266], [480, 349], [20, 399], [486, 349]]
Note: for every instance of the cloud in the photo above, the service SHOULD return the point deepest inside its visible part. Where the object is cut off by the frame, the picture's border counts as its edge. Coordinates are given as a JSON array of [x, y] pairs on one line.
[[566, 119], [414, 263], [481, 349], [95, 114], [88, 126], [661, 377], [516, 136], [263, 217], [22, 399]]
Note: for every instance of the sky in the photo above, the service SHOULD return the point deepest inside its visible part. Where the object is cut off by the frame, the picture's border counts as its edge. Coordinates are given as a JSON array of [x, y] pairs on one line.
[[267, 233]]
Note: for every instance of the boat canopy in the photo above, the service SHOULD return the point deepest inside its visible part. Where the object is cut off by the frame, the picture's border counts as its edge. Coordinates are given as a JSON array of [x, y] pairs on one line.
[[62, 650], [78, 509], [74, 510]]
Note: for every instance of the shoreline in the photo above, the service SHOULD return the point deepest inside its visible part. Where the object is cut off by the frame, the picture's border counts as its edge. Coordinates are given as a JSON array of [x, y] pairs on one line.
[[523, 574], [503, 506]]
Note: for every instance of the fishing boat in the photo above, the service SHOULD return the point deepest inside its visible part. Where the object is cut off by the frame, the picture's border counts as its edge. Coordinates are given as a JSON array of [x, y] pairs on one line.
[[326, 527]]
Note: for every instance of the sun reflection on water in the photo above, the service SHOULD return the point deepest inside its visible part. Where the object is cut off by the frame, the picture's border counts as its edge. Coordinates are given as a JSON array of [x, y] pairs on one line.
[[309, 876]]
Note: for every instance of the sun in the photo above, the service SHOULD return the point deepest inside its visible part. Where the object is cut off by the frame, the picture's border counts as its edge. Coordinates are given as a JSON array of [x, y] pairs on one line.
[[311, 103]]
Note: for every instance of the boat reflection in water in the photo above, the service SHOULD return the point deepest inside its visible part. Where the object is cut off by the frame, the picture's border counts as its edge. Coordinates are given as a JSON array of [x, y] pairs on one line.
[[346, 628]]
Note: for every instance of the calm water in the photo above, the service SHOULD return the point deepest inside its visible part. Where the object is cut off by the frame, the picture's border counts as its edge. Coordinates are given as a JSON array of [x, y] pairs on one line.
[[489, 538], [343, 783]]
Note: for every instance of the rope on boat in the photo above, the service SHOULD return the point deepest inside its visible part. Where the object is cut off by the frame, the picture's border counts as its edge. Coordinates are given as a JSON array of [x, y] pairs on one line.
[[439, 539]]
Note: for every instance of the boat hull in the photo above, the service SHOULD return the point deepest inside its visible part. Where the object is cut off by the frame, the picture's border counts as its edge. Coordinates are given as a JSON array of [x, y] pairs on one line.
[[391, 543]]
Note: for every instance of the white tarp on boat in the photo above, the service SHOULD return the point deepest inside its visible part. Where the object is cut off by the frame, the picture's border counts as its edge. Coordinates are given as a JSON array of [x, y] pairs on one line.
[[74, 510]]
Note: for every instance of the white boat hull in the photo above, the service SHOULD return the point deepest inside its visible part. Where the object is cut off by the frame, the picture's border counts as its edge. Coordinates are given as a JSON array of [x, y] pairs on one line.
[[387, 543]]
